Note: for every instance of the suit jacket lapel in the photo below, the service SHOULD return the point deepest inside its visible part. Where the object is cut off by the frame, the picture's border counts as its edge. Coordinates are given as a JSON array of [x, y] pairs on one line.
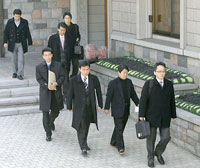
[[45, 69], [79, 80], [21, 25], [58, 40], [90, 83]]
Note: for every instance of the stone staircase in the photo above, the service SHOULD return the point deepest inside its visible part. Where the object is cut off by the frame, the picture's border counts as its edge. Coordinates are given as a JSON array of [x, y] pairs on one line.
[[19, 97]]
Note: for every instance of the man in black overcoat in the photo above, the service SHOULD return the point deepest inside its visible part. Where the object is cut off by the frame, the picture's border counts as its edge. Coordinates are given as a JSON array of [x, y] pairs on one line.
[[157, 105], [17, 37], [60, 48], [120, 91], [51, 101], [73, 36], [82, 93]]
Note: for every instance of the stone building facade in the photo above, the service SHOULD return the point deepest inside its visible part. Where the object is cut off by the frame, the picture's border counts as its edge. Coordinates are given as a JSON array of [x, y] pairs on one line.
[[122, 25], [131, 34], [44, 16]]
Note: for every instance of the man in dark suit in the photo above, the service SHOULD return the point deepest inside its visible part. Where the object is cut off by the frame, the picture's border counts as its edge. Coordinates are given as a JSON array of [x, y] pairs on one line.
[[82, 90], [119, 92], [73, 36], [16, 35], [157, 105], [50, 94], [61, 53]]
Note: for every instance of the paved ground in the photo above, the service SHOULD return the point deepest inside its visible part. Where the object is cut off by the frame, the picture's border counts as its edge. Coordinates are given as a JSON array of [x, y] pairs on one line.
[[31, 60], [23, 145]]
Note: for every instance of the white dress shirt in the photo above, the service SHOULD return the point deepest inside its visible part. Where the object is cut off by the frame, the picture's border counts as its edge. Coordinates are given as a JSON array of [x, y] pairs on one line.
[[82, 77], [17, 23], [161, 82]]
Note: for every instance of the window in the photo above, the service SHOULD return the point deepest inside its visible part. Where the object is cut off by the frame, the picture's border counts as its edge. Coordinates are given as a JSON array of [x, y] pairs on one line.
[[166, 18]]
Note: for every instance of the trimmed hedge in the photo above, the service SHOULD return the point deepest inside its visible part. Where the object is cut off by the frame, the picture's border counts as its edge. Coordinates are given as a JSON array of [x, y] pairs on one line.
[[143, 70], [189, 102]]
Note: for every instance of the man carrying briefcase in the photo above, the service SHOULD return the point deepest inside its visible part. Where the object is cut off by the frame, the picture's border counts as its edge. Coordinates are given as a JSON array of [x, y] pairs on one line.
[[157, 107]]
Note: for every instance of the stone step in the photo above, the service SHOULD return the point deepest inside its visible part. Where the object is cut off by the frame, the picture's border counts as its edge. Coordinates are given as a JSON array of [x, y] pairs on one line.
[[15, 83], [14, 92], [19, 110], [19, 101]]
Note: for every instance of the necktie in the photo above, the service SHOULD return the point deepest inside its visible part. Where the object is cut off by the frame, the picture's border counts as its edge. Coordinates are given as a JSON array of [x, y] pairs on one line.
[[62, 42], [48, 66], [161, 83], [85, 82]]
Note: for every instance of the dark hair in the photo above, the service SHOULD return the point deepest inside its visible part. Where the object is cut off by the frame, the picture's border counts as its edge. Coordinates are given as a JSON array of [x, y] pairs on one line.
[[47, 49], [61, 24], [158, 64], [83, 63], [122, 67], [67, 13], [17, 12]]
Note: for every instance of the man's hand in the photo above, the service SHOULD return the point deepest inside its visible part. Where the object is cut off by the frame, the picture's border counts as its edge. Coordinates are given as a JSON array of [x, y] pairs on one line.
[[53, 86], [69, 110], [142, 118], [174, 119], [5, 45], [98, 109], [106, 111]]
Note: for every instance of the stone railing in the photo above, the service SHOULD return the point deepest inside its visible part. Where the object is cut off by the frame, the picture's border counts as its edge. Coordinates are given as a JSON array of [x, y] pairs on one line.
[[185, 131]]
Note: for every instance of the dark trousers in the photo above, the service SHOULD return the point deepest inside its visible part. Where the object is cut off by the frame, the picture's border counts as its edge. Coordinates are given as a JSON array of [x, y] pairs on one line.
[[120, 124], [161, 146], [49, 117], [66, 82], [82, 132], [74, 66]]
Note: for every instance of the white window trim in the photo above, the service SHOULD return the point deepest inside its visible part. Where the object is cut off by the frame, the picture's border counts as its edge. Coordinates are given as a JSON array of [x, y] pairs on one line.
[[144, 27]]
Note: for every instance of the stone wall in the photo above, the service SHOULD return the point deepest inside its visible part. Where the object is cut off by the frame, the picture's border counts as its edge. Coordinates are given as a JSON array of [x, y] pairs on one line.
[[124, 16], [193, 23], [185, 131], [96, 22], [43, 17]]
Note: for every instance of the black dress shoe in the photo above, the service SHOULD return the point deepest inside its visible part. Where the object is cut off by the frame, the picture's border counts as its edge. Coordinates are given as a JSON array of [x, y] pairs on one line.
[[20, 77], [84, 152], [14, 75], [52, 126], [48, 138], [121, 151], [151, 163], [160, 159]]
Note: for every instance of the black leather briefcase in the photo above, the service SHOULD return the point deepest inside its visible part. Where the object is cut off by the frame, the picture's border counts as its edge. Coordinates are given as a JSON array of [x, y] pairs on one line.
[[142, 129]]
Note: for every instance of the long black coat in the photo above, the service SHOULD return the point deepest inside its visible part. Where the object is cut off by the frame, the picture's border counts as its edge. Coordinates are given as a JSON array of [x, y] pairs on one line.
[[55, 44], [159, 106], [77, 95], [10, 34], [115, 97], [72, 33], [42, 78]]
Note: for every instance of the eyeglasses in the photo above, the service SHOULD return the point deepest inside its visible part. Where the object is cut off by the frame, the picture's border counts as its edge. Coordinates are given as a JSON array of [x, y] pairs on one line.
[[160, 71]]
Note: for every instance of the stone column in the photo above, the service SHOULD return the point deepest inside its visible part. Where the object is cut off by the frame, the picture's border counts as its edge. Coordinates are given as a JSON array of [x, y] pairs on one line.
[[73, 10], [82, 20], [1, 30]]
